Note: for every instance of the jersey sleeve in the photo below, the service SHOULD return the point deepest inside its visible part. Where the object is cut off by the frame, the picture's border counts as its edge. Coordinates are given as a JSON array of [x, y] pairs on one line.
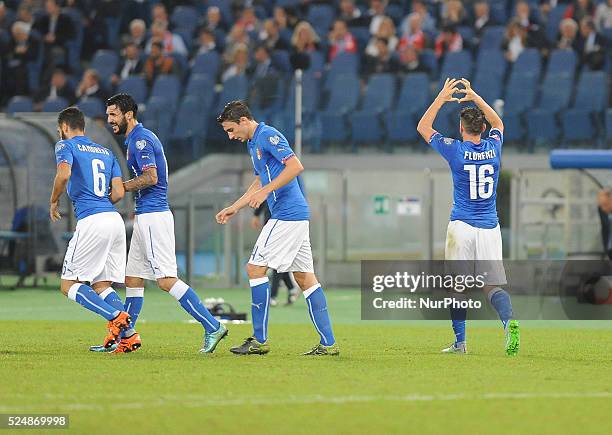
[[276, 144], [63, 153], [497, 137], [445, 146], [144, 154], [116, 169]]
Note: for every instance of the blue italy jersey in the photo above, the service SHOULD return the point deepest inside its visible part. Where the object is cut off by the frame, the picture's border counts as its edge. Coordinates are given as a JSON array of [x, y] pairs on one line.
[[475, 169], [269, 151], [144, 150], [92, 168]]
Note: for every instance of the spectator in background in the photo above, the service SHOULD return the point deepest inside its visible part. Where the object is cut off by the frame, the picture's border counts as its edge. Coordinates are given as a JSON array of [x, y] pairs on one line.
[[375, 14], [263, 64], [238, 62], [515, 40], [580, 9], [482, 19], [24, 14], [6, 18], [603, 16], [137, 35], [213, 22], [341, 40], [130, 65], [535, 33], [604, 202], [56, 29], [414, 36], [58, 87], [453, 14], [386, 31], [172, 43], [236, 36], [248, 20], [591, 45], [568, 30], [23, 48], [352, 14], [383, 61], [206, 43], [409, 61], [304, 41], [428, 22], [158, 63], [90, 86], [264, 79], [448, 41], [160, 13], [270, 36]]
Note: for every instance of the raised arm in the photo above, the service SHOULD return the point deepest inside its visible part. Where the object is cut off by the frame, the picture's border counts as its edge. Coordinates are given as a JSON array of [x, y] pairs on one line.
[[425, 126], [62, 176], [489, 113]]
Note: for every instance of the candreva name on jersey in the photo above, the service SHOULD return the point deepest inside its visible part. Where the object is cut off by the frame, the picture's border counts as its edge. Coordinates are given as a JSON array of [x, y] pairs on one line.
[[485, 155], [92, 149]]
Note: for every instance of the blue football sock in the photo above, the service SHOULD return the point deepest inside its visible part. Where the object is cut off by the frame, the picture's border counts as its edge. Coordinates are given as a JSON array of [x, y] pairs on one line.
[[260, 306], [317, 308], [500, 299], [190, 301], [111, 297], [134, 298], [87, 297], [458, 316]]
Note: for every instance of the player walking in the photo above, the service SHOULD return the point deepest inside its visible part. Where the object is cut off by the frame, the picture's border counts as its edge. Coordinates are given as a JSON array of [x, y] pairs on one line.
[[473, 231], [284, 242], [96, 252], [152, 249]]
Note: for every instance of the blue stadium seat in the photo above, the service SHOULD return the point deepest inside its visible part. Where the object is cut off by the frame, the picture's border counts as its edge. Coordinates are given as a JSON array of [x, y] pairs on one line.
[[105, 62], [135, 86], [35, 67], [491, 62], [343, 100], [207, 63], [321, 17], [488, 85], [542, 127], [520, 93], [361, 35], [592, 91], [366, 124], [311, 94], [169, 87], [201, 86], [578, 125], [280, 60], [54, 105], [20, 104], [113, 26], [317, 63], [562, 62], [498, 11], [181, 61], [189, 128], [186, 35], [184, 17], [344, 63], [429, 59], [456, 65], [492, 38], [235, 88], [158, 117], [92, 107], [552, 22], [467, 34], [529, 62], [225, 8], [74, 45], [414, 93], [609, 127], [401, 126], [556, 93]]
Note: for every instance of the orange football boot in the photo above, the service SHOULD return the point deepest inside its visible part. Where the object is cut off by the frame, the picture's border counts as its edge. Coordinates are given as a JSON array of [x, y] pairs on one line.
[[115, 326], [129, 344]]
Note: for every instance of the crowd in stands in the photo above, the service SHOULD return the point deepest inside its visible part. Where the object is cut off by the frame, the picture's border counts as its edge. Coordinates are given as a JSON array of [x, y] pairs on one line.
[[55, 48]]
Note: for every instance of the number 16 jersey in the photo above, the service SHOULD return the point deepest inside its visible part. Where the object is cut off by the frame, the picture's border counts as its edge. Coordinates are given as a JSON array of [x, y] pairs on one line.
[[93, 167], [475, 170]]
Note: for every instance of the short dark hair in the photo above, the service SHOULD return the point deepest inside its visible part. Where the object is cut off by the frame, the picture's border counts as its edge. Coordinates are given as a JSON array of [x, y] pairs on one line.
[[233, 111], [125, 103], [73, 118], [472, 119]]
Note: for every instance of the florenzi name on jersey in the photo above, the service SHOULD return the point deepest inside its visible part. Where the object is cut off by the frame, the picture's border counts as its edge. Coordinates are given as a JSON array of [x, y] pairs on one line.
[[93, 149], [486, 155]]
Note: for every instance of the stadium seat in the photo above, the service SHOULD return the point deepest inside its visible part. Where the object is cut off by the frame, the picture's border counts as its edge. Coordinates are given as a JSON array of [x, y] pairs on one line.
[[169, 87], [105, 62], [343, 100], [491, 62], [113, 26], [321, 17], [280, 61], [361, 35], [492, 38], [578, 125], [186, 35], [181, 61], [400, 126], [457, 64], [344, 63], [498, 10], [184, 17], [562, 62], [20, 104], [609, 127], [201, 86], [206, 63], [158, 116], [54, 105], [92, 107], [188, 130], [541, 120], [74, 46], [552, 22], [429, 59], [235, 88], [135, 86], [414, 93], [366, 122], [317, 63], [35, 67], [488, 85], [520, 93], [311, 93], [529, 62], [592, 91]]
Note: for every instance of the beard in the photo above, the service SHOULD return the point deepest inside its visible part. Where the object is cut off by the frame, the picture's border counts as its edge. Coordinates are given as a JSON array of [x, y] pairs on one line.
[[122, 127], [62, 135]]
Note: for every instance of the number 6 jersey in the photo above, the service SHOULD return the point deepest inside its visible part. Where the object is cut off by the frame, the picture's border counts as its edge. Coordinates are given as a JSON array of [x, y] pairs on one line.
[[475, 169], [93, 167]]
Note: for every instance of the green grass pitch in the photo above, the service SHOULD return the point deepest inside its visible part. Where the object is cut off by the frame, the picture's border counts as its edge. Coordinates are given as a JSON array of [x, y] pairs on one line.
[[390, 377]]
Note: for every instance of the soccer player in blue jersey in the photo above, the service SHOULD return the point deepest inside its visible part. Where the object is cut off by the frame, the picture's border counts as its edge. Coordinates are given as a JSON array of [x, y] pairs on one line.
[[152, 248], [96, 252], [473, 231], [284, 242]]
